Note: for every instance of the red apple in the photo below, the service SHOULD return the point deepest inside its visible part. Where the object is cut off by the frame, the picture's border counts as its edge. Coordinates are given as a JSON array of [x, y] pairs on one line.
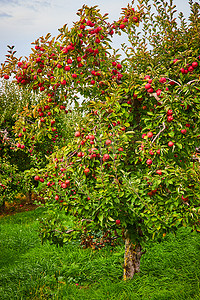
[[169, 112], [147, 86], [184, 198], [170, 118], [119, 66], [117, 222], [195, 64], [151, 152], [150, 134], [106, 157], [159, 172], [108, 142], [67, 68], [77, 134], [158, 151], [86, 171], [183, 131], [170, 144], [149, 162]]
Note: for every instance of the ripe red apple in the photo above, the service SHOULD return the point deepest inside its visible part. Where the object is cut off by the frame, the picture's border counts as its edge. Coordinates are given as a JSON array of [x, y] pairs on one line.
[[135, 19], [77, 134], [79, 154], [184, 198], [37, 177], [56, 197], [86, 171], [119, 66], [64, 185], [183, 131], [162, 80], [169, 112], [159, 172], [151, 152], [117, 222], [67, 68], [195, 64], [108, 142], [147, 86], [158, 92], [150, 134], [170, 118], [106, 157], [170, 144], [190, 69], [158, 151], [143, 135], [149, 162], [182, 70], [91, 137]]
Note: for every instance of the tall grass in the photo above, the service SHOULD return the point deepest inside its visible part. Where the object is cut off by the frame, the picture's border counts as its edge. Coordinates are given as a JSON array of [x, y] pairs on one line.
[[30, 270]]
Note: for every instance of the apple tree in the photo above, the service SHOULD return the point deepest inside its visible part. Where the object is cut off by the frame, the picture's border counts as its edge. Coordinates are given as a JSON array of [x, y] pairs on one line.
[[132, 168]]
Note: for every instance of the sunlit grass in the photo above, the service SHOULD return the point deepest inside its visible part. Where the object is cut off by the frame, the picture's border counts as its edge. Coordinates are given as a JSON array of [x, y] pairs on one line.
[[30, 270]]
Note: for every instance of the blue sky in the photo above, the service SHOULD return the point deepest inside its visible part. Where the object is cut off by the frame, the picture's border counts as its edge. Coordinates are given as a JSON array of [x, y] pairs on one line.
[[23, 21]]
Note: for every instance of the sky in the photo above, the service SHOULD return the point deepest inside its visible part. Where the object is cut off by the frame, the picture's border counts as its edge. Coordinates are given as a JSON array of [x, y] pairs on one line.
[[24, 21]]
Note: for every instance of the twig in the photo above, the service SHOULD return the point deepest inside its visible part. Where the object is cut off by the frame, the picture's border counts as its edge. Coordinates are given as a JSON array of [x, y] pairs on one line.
[[174, 81], [193, 81], [156, 97], [158, 134]]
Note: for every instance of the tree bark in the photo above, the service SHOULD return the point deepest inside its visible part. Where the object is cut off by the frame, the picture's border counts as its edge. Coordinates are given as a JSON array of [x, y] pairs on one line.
[[2, 207], [29, 196], [132, 257]]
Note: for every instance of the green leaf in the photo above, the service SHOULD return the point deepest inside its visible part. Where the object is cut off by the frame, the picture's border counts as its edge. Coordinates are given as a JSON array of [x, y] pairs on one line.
[[179, 145]]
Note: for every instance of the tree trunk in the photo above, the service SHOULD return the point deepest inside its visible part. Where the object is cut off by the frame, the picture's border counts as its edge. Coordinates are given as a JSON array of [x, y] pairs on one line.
[[132, 257], [2, 207], [29, 196]]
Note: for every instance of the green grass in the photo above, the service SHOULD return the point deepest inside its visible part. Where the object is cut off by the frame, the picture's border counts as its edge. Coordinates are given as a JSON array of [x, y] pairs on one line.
[[29, 270]]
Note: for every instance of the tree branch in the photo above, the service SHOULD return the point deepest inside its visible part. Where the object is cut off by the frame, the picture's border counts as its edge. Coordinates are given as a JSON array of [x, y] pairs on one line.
[[158, 134]]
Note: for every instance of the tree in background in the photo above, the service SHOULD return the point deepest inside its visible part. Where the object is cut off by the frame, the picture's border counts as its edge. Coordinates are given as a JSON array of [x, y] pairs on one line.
[[131, 167]]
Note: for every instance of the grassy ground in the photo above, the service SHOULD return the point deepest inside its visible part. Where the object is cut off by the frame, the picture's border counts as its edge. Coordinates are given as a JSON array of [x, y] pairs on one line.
[[29, 270]]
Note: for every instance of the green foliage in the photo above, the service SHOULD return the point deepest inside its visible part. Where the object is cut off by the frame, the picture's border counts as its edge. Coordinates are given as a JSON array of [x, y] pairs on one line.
[[131, 164], [29, 270]]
